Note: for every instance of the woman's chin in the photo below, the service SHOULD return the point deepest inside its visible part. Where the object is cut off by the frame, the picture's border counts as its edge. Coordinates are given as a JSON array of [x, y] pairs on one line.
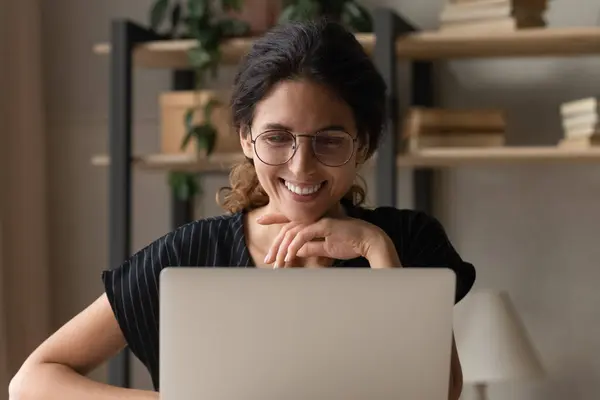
[[302, 216], [304, 213]]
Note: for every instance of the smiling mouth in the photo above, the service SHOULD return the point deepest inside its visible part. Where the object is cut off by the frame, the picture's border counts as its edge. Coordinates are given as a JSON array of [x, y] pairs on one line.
[[303, 190]]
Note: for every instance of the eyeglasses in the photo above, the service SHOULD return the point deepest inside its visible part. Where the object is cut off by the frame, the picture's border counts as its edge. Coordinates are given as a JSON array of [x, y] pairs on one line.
[[332, 148]]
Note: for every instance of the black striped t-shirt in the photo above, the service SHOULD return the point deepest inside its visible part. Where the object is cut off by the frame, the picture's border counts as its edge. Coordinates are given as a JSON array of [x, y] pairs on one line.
[[133, 287]]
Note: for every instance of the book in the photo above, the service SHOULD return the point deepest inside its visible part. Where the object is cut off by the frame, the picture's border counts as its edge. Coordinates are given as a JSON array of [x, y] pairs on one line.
[[530, 4], [471, 139], [423, 120], [439, 127], [456, 13], [506, 24], [581, 119], [580, 142], [579, 125], [479, 16], [586, 105], [477, 3]]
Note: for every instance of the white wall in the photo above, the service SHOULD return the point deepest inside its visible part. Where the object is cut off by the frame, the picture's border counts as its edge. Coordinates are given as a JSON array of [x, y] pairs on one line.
[[531, 230]]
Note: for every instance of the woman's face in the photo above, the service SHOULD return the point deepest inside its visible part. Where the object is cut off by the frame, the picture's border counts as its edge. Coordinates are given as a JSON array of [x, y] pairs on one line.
[[303, 188]]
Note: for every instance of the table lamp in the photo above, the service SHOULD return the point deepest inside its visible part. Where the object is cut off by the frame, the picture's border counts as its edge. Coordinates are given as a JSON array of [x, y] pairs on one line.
[[492, 342]]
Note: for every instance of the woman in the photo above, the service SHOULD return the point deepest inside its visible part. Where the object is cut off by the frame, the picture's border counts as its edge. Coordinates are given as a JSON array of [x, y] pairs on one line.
[[309, 107]]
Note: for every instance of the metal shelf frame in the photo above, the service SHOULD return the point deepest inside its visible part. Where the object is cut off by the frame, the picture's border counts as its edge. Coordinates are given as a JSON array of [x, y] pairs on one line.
[[125, 35]]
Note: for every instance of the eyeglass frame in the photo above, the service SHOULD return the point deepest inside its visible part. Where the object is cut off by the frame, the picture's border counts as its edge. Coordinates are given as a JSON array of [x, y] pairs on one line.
[[299, 135]]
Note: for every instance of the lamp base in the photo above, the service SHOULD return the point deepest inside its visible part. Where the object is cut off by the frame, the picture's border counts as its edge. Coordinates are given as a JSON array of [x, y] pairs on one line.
[[481, 390]]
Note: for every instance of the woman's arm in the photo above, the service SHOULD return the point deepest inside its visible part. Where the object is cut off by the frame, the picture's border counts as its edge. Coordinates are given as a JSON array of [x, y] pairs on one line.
[[381, 253], [57, 368], [456, 377]]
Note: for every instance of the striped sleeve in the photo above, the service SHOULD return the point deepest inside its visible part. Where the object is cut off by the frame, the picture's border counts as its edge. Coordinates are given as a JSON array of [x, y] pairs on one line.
[[133, 292], [428, 246]]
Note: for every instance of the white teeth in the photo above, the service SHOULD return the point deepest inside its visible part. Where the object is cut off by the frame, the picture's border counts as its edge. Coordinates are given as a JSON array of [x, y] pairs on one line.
[[302, 191]]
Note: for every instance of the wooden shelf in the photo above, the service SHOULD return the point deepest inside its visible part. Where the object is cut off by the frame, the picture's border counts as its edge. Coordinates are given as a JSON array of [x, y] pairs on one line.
[[535, 42], [173, 53], [426, 158], [177, 162], [503, 155]]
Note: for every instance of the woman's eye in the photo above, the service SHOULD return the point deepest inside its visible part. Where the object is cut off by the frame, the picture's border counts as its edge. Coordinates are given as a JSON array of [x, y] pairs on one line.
[[277, 138], [330, 141]]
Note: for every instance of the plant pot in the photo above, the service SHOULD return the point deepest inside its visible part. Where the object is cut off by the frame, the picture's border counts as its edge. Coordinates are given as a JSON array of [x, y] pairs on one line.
[[261, 15], [174, 106]]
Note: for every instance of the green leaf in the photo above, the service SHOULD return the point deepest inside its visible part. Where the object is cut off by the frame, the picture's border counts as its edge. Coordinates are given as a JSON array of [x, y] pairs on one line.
[[208, 109], [307, 10], [197, 8], [232, 5], [195, 27], [189, 134], [189, 119], [208, 38], [206, 137], [233, 27], [288, 14], [184, 185], [175, 18], [199, 58], [357, 17], [158, 13], [176, 178], [183, 191]]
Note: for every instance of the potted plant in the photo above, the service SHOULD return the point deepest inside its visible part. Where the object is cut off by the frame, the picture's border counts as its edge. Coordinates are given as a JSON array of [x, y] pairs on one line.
[[208, 23], [348, 12]]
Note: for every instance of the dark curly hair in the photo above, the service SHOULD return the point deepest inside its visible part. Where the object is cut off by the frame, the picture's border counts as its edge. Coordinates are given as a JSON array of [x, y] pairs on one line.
[[324, 52]]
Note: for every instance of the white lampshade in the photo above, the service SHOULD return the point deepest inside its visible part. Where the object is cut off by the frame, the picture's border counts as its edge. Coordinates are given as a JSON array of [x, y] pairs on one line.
[[491, 340]]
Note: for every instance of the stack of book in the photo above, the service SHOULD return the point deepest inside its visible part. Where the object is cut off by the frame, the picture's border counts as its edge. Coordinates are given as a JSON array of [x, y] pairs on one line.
[[581, 123], [485, 16], [426, 128]]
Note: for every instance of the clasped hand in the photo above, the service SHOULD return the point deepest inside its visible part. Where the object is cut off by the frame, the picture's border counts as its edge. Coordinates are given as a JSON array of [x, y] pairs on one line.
[[344, 239]]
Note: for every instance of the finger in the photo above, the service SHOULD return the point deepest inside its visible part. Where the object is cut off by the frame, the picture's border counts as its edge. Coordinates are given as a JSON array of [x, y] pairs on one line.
[[319, 230], [304, 236], [312, 249], [281, 258], [270, 219], [274, 249]]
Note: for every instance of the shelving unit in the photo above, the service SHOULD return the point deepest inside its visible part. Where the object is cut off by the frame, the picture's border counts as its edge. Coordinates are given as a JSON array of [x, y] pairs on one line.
[[419, 46], [433, 158], [172, 54], [393, 41]]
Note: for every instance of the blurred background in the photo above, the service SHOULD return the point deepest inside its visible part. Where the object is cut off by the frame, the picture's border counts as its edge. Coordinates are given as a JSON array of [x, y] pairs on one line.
[[531, 229]]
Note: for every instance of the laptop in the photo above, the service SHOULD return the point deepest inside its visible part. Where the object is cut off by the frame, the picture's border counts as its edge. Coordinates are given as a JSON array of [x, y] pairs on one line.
[[305, 333]]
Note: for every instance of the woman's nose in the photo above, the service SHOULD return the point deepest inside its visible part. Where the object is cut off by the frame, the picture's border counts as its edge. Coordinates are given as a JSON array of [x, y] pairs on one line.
[[303, 160]]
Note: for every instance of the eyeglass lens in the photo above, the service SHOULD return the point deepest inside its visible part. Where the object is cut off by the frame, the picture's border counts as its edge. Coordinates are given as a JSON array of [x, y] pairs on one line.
[[332, 148]]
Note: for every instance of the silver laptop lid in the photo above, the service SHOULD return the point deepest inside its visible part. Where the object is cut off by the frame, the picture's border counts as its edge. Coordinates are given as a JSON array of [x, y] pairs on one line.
[[305, 334]]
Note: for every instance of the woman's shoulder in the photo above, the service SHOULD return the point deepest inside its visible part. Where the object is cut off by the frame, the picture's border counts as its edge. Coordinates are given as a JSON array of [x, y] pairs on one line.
[[421, 242], [207, 241], [202, 242], [395, 221], [411, 230], [222, 228], [215, 225]]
